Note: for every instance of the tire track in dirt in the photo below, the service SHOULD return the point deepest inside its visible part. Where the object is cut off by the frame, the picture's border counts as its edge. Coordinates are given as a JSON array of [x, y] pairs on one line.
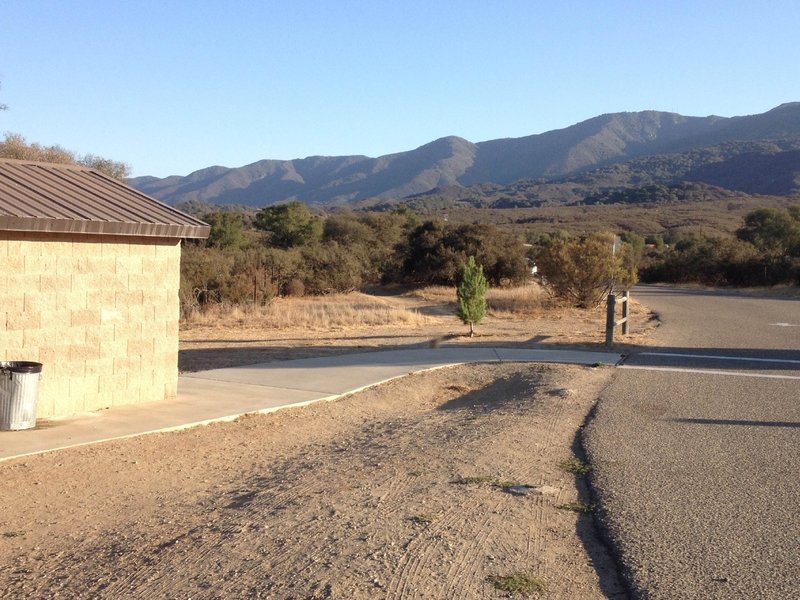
[[243, 506], [252, 502], [466, 564], [417, 553]]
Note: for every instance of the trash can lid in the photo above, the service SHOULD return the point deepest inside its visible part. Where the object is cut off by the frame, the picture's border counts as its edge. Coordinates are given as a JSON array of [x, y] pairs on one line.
[[21, 366]]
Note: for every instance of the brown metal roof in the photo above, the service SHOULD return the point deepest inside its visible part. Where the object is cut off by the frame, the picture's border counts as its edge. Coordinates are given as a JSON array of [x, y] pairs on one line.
[[53, 198]]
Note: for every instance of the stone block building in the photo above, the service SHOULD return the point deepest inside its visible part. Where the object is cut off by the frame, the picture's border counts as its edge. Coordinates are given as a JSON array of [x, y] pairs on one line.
[[89, 280]]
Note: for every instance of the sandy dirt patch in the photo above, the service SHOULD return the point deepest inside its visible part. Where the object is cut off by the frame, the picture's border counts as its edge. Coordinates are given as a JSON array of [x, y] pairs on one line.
[[350, 499]]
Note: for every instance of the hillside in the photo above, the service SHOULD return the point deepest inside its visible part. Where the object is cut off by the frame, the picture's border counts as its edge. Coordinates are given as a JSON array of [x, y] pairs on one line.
[[767, 168], [652, 147]]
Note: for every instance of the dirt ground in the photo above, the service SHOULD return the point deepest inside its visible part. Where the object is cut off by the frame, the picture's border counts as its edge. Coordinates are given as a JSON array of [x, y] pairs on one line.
[[356, 498]]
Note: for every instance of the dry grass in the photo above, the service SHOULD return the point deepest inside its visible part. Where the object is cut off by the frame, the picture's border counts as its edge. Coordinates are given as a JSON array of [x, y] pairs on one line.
[[524, 584], [316, 313], [358, 310], [523, 301], [434, 293]]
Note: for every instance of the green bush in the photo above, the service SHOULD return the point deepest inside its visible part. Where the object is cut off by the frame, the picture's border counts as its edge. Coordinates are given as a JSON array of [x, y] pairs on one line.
[[289, 225], [583, 271], [331, 268], [227, 230], [436, 252]]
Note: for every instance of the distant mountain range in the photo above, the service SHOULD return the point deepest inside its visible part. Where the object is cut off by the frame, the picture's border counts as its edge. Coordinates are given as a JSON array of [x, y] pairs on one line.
[[756, 154]]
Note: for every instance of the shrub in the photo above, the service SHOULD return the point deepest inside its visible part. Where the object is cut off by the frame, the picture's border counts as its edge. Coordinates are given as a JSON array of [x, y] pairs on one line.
[[436, 251], [227, 230], [204, 272], [583, 271], [295, 287], [330, 268], [289, 225], [376, 240]]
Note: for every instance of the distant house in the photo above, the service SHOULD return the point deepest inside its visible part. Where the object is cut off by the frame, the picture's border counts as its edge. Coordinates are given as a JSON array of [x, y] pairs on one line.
[[89, 286]]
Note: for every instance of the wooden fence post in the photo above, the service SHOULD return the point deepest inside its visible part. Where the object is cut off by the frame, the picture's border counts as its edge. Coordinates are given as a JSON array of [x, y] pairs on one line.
[[625, 304], [610, 313]]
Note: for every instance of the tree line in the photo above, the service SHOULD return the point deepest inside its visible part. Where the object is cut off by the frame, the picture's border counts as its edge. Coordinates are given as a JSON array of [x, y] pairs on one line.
[[289, 250], [13, 145], [765, 251]]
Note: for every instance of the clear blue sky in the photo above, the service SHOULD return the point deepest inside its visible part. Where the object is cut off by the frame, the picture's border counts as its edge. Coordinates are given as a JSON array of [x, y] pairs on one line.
[[175, 86]]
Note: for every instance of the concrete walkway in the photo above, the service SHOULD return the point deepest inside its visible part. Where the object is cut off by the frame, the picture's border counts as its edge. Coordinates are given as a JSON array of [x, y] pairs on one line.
[[225, 394]]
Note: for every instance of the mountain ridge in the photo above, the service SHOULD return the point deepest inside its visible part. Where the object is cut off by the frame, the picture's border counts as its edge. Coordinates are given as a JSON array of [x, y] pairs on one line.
[[595, 143]]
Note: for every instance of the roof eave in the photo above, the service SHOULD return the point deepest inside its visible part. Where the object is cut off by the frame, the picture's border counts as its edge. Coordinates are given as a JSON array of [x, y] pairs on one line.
[[102, 228]]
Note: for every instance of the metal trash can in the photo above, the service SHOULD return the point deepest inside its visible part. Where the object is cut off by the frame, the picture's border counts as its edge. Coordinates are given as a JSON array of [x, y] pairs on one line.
[[19, 394]]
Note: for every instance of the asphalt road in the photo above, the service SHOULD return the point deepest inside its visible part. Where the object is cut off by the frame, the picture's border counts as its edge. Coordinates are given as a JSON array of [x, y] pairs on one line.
[[695, 448]]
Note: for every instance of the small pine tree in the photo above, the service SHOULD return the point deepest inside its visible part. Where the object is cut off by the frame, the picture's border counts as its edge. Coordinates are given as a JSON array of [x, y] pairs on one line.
[[472, 295]]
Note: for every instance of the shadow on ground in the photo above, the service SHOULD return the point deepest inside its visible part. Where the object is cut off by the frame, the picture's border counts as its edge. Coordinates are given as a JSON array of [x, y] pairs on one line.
[[592, 532], [265, 351]]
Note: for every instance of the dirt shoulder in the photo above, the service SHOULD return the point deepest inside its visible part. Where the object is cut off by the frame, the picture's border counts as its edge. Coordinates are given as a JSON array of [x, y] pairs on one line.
[[355, 498]]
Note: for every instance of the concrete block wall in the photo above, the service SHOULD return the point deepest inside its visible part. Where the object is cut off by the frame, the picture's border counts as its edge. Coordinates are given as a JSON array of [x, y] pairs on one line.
[[100, 312]]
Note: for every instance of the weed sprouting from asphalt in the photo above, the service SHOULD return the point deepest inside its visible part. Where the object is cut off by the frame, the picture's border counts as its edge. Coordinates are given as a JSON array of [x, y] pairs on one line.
[[575, 466], [578, 507]]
